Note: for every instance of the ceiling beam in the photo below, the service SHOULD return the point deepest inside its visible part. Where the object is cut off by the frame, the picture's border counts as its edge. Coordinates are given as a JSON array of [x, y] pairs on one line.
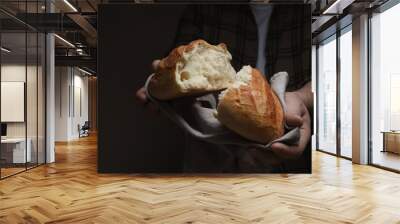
[[81, 61], [337, 7], [84, 24]]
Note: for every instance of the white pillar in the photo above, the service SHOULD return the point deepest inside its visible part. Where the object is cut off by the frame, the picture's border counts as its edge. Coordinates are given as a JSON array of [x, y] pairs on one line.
[[50, 93], [63, 85], [314, 90], [360, 90]]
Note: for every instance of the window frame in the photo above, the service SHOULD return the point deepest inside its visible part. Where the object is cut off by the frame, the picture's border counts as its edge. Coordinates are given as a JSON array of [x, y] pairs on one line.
[[333, 37]]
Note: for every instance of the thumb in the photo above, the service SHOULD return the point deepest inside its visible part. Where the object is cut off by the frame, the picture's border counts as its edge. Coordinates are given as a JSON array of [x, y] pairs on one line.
[[285, 151], [155, 64], [141, 95], [293, 120]]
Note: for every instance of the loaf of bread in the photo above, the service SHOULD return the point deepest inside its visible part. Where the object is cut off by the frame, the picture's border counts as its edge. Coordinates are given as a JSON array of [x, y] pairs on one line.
[[193, 69], [250, 108]]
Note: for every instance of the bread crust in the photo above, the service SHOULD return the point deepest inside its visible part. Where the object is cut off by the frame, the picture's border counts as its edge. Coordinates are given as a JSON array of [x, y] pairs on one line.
[[252, 111], [163, 85]]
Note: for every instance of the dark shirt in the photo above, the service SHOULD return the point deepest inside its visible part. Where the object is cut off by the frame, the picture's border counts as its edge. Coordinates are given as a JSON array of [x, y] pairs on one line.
[[289, 37], [288, 49]]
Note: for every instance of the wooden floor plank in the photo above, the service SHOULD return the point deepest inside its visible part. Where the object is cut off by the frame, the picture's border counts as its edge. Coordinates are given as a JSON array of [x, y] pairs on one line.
[[71, 191]]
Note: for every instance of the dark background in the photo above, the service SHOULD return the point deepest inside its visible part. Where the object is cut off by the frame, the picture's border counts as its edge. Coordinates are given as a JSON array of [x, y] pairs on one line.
[[131, 139]]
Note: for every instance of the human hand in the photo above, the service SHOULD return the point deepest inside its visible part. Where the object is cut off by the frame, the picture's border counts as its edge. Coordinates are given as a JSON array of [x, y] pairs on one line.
[[296, 115], [141, 93]]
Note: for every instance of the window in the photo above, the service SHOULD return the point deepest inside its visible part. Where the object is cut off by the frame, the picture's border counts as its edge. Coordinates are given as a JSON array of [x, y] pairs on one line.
[[346, 93], [385, 88], [334, 106], [327, 95], [394, 101]]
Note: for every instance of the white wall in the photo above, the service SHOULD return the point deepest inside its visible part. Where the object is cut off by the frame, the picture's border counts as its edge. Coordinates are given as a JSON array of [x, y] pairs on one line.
[[16, 73], [9, 73], [33, 127], [81, 104], [70, 84], [62, 81]]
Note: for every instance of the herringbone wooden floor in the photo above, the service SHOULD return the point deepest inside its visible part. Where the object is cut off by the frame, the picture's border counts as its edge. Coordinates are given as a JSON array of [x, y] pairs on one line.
[[71, 191]]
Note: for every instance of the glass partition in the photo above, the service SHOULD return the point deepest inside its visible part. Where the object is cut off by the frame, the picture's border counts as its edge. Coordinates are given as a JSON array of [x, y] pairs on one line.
[[22, 88], [32, 95], [14, 153], [31, 85]]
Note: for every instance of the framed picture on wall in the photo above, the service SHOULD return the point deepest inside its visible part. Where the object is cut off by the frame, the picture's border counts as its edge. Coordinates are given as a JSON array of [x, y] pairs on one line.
[[201, 53]]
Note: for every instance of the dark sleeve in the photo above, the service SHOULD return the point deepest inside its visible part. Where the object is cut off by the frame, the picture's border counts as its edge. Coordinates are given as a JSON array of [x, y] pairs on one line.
[[189, 27], [301, 47], [289, 44]]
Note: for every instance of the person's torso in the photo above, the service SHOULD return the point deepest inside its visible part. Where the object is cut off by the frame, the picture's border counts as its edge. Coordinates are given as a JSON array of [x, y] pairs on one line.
[[286, 46]]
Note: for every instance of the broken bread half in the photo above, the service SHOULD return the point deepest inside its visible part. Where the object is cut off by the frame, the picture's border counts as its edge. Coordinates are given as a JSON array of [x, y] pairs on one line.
[[193, 69], [250, 108]]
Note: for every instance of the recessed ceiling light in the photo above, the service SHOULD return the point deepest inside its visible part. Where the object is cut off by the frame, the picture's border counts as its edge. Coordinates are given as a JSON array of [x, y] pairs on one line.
[[70, 5], [5, 50], [65, 41], [337, 7], [84, 71]]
